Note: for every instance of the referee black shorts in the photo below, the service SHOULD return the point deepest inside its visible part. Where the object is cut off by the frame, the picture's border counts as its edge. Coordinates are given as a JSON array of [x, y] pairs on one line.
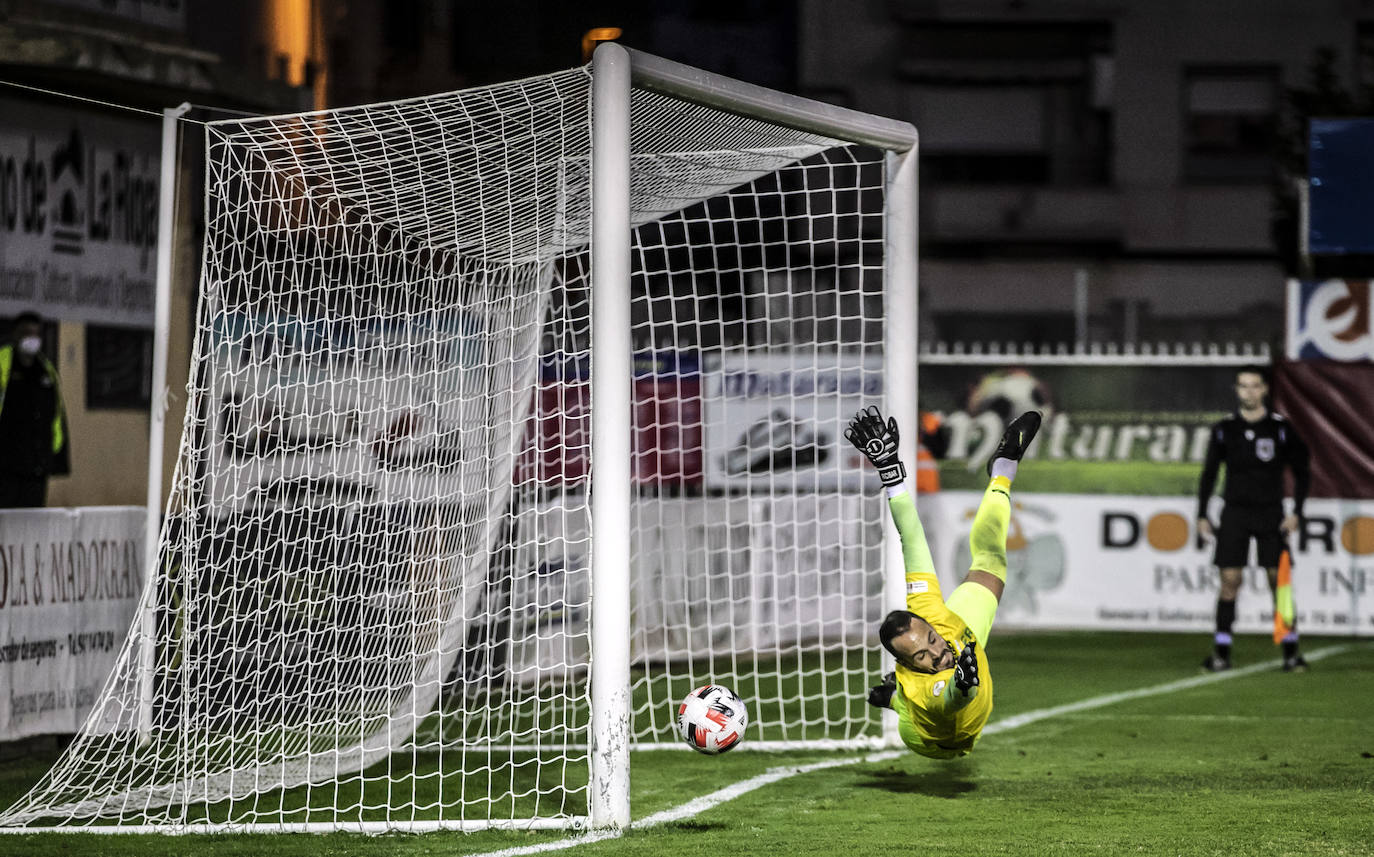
[[1240, 524]]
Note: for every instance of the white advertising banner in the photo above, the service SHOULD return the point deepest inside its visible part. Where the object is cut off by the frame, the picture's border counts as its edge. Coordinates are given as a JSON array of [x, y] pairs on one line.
[[70, 581], [779, 419], [78, 214], [1134, 563], [325, 410], [709, 575]]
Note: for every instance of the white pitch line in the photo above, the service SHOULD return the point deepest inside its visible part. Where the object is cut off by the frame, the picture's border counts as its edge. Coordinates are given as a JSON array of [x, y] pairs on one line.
[[696, 806], [556, 845], [1019, 720]]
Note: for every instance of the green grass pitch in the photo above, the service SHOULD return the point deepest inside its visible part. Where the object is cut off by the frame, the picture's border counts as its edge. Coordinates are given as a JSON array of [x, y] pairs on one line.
[[1265, 763]]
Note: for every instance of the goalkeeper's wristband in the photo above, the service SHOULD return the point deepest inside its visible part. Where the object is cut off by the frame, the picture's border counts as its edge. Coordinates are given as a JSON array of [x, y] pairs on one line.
[[892, 473]]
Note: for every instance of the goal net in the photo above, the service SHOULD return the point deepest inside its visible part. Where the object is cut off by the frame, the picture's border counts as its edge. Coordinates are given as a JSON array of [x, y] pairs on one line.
[[370, 608]]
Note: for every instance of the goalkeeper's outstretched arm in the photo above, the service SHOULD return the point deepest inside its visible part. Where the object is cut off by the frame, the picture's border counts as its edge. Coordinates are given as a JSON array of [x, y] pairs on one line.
[[877, 439]]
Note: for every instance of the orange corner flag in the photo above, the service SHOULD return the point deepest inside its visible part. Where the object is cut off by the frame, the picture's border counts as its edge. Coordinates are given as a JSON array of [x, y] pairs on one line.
[[1283, 598]]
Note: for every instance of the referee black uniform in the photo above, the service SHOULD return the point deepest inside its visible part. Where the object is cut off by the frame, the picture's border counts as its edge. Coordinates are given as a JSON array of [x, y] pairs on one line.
[[1255, 454]]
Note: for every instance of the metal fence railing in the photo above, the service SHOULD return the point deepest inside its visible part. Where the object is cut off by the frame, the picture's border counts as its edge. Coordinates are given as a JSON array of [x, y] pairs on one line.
[[1097, 353]]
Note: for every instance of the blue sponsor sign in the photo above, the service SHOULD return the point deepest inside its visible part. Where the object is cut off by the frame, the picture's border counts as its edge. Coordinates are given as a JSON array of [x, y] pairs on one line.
[[1341, 186]]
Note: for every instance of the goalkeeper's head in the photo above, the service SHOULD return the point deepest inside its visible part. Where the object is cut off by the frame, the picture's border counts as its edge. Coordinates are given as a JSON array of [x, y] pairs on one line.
[[915, 643]]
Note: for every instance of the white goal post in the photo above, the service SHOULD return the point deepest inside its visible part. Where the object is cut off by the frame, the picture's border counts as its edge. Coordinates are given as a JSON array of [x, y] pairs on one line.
[[514, 415], [615, 72]]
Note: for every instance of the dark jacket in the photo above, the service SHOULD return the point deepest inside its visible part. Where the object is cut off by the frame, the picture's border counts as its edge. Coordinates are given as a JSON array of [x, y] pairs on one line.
[[33, 420]]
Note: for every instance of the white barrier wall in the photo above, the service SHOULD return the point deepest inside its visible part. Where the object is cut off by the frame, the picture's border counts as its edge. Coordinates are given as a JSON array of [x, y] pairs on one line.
[[70, 581], [1134, 563], [1075, 561]]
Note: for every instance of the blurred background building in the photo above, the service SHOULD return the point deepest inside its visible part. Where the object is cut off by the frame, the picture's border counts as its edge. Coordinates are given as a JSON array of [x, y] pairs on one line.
[[1091, 169], [1098, 170]]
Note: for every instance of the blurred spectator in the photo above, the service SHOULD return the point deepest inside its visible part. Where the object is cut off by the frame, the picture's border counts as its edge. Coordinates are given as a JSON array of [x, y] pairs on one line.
[[932, 446], [33, 420]]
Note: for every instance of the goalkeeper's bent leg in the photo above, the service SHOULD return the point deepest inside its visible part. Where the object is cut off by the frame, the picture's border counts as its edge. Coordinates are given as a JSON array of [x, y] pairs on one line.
[[974, 602]]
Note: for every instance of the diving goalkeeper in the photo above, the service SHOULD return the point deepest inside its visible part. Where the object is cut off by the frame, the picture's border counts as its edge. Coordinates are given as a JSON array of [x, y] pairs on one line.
[[941, 689]]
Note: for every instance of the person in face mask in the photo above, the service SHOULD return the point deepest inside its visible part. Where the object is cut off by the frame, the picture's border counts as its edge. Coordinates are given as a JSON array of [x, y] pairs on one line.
[[33, 421]]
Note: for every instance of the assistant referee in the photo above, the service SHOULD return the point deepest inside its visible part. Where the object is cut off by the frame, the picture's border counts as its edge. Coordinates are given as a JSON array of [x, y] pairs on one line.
[[1256, 445]]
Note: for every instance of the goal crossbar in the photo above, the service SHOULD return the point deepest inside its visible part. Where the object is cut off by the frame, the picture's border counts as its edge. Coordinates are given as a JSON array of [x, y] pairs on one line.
[[747, 99]]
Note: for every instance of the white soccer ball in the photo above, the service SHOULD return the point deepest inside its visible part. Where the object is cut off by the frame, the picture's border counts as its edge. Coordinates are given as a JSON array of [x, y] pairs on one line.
[[712, 719]]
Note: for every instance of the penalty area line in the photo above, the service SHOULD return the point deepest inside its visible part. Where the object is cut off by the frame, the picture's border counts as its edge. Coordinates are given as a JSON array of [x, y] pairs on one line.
[[696, 806]]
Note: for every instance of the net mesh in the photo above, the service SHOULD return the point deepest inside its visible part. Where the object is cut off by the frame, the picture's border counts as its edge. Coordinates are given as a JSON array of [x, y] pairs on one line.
[[372, 590]]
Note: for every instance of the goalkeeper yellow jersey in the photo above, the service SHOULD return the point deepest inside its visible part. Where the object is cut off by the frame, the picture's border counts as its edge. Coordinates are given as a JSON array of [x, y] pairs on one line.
[[925, 726]]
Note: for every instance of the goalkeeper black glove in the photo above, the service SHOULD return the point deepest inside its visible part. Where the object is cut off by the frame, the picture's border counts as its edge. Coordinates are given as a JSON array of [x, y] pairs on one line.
[[878, 442], [966, 670], [880, 696]]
